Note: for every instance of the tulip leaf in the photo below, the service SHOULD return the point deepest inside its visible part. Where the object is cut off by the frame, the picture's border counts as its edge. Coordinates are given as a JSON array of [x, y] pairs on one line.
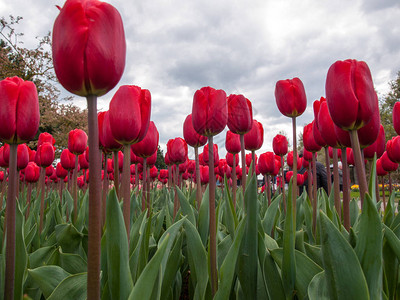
[[72, 287], [146, 283], [369, 245], [48, 278], [197, 257], [317, 289], [247, 261], [204, 217], [227, 270], [344, 276], [68, 237], [289, 260], [186, 208], [119, 277], [174, 261], [270, 217], [354, 211]]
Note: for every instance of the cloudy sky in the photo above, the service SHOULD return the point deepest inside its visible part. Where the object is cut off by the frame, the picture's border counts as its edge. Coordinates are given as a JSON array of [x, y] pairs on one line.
[[242, 47]]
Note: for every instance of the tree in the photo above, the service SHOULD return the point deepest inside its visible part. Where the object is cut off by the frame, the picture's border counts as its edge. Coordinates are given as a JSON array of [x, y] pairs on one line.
[[57, 115], [386, 107], [160, 163]]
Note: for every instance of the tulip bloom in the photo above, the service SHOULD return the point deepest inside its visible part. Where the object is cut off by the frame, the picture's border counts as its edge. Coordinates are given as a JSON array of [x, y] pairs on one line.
[[280, 145], [177, 150], [190, 135], [46, 137], [396, 117], [32, 172], [22, 156], [368, 134], [77, 141], [129, 114], [290, 97], [19, 113], [67, 159], [232, 142], [209, 111], [308, 139], [149, 144], [45, 155], [393, 149], [89, 47], [387, 164], [267, 164], [240, 114], [253, 140], [60, 171], [326, 126], [350, 94], [377, 147], [229, 158]]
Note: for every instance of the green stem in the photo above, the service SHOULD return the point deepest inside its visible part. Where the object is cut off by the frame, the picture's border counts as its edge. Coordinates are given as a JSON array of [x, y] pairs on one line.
[[336, 182], [198, 181], [360, 167], [243, 154], [125, 187], [294, 189], [346, 190]]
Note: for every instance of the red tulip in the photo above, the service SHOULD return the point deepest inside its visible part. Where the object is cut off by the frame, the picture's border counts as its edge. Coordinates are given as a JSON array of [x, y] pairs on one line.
[[190, 135], [88, 47], [343, 136], [379, 168], [254, 139], [49, 171], [177, 150], [393, 149], [151, 160], [148, 145], [350, 94], [307, 155], [83, 163], [396, 117], [153, 172], [32, 172], [77, 141], [46, 137], [191, 167], [368, 134], [289, 160], [1, 176], [249, 159], [229, 159], [110, 165], [19, 113], [317, 135], [209, 111], [105, 134], [45, 155], [120, 160], [130, 114], [267, 163], [32, 155], [326, 126], [204, 174], [240, 114], [163, 173], [215, 152], [280, 145], [387, 164], [232, 142], [290, 97], [22, 156], [81, 181], [308, 139], [377, 147], [330, 152], [67, 159], [166, 159], [60, 171], [350, 156]]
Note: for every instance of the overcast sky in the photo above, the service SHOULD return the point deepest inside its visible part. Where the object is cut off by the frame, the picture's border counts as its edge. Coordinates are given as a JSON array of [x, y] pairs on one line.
[[242, 47]]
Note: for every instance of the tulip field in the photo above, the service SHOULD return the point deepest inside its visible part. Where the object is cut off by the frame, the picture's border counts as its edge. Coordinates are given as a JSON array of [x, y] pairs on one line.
[[103, 222]]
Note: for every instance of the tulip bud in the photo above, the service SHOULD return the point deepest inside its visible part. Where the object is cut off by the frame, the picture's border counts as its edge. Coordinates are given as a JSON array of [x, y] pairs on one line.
[[147, 146], [209, 111], [22, 156], [350, 94], [67, 159], [254, 139], [280, 145], [240, 114], [190, 135], [232, 142], [290, 97], [177, 150], [266, 163], [88, 47], [45, 155], [77, 141], [19, 110], [60, 171], [32, 172], [129, 114]]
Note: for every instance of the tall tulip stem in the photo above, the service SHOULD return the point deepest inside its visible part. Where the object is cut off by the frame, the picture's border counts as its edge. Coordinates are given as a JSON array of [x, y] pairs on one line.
[[243, 158], [125, 187], [198, 181], [213, 229], [41, 183], [346, 190], [94, 234], [105, 191], [144, 185], [10, 211], [294, 184], [234, 181], [116, 173], [360, 167], [75, 188], [328, 170], [315, 199], [283, 183], [336, 182]]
